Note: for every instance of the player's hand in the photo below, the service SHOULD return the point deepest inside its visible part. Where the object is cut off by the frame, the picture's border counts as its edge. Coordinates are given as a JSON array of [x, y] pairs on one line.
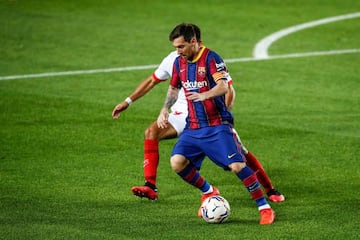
[[119, 108], [162, 120], [196, 97]]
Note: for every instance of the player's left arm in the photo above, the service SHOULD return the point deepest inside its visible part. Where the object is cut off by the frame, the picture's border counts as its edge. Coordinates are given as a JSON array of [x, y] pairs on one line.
[[217, 70], [219, 90], [230, 96]]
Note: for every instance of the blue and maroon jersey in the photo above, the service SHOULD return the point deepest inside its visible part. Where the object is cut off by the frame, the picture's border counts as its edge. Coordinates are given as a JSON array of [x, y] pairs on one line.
[[200, 75]]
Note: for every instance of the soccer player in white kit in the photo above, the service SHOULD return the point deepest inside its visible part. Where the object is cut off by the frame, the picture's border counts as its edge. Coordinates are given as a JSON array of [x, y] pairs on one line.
[[179, 112]]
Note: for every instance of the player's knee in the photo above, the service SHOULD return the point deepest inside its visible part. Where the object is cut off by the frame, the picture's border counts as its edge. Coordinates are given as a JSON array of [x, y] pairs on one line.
[[152, 132], [178, 162], [236, 167]]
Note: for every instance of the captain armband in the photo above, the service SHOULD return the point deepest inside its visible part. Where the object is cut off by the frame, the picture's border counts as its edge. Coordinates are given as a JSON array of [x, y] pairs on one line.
[[219, 76]]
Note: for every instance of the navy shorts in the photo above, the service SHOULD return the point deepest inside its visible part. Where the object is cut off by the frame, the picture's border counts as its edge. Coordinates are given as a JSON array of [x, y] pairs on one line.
[[218, 143]]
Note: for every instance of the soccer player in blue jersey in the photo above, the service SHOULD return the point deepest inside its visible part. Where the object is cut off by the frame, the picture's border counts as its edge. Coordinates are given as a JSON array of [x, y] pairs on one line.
[[209, 125], [153, 134]]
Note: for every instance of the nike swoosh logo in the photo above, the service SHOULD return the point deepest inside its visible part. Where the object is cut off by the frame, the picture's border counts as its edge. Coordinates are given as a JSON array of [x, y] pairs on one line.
[[232, 155], [146, 162], [181, 70]]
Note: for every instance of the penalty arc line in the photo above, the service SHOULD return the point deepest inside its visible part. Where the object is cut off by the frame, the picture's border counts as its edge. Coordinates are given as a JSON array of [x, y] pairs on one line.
[[261, 48]]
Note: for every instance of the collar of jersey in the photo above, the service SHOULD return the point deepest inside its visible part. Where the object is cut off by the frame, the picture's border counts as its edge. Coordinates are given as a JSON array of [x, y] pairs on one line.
[[199, 54]]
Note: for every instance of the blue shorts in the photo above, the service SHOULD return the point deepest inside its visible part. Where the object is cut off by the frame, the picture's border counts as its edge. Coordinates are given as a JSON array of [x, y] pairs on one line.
[[218, 143]]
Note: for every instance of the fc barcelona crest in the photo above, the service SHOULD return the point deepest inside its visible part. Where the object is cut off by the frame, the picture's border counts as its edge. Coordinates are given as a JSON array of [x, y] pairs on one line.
[[201, 70]]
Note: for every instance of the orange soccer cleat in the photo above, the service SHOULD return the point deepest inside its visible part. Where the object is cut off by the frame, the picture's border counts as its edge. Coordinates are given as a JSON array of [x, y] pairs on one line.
[[145, 191], [275, 196], [267, 216]]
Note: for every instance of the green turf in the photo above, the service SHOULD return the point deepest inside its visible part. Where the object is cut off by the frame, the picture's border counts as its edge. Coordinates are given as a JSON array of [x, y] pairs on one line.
[[66, 167]]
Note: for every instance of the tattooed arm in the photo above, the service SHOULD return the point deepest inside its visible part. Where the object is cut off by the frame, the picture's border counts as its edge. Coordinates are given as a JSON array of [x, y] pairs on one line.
[[171, 98]]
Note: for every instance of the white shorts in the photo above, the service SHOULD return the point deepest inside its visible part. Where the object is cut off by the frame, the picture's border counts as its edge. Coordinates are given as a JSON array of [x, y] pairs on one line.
[[243, 148], [178, 121]]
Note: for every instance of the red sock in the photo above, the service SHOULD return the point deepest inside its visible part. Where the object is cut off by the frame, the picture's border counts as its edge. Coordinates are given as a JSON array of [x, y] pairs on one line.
[[151, 160], [256, 166]]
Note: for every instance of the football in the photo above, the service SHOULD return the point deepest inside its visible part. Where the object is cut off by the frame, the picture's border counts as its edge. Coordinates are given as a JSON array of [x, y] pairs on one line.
[[215, 209]]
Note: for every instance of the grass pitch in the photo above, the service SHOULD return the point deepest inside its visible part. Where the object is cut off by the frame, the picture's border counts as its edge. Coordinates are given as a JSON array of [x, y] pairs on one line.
[[66, 167]]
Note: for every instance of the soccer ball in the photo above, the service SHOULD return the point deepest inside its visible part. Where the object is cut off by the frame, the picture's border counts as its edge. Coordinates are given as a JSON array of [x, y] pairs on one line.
[[215, 209]]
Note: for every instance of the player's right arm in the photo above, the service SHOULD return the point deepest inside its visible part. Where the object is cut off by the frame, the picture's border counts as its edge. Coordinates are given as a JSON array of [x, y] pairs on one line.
[[162, 73], [171, 97], [144, 87]]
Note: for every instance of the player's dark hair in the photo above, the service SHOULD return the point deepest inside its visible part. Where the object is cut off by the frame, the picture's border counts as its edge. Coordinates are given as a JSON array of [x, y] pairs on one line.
[[187, 30]]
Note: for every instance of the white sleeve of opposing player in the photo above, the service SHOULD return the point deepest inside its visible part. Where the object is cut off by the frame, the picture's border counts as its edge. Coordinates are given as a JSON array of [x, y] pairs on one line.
[[164, 71], [228, 78]]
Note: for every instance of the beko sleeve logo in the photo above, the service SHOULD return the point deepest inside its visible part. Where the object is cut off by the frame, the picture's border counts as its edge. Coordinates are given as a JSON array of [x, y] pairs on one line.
[[220, 66]]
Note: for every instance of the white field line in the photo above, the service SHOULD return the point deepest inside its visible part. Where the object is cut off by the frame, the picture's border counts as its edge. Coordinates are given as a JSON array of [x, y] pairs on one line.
[[77, 72], [260, 52], [132, 68], [261, 48], [296, 55]]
